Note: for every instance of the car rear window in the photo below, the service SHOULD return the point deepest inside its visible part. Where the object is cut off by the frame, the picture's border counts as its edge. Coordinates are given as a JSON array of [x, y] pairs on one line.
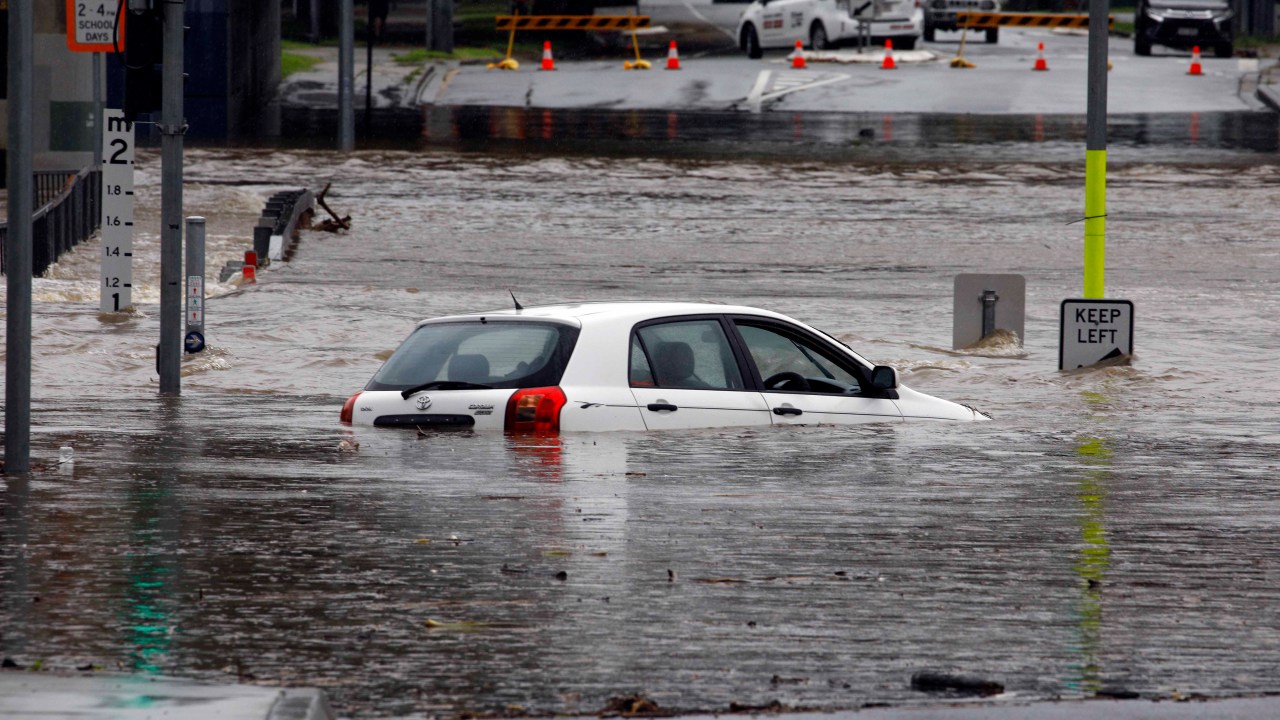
[[497, 354]]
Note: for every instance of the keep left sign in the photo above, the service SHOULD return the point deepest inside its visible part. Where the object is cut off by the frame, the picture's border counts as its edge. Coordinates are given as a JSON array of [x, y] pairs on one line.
[[1094, 330], [91, 25]]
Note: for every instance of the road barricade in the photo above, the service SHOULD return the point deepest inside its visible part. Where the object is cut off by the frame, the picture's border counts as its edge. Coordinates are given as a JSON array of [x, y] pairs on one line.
[[981, 20], [593, 23]]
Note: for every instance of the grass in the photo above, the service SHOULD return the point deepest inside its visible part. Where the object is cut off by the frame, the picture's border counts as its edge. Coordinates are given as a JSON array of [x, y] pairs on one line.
[[291, 63], [1257, 41], [418, 56]]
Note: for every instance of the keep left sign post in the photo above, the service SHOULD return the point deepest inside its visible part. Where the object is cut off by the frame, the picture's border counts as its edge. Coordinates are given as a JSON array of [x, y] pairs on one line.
[[91, 25]]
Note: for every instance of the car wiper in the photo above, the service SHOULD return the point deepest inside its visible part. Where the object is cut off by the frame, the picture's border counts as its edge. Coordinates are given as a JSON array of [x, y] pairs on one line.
[[443, 385]]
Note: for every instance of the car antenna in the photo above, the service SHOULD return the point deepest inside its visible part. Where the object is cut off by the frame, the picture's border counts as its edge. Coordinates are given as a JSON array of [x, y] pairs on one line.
[[514, 300]]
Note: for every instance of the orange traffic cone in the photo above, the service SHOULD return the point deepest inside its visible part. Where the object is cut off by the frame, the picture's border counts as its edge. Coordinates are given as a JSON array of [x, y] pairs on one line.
[[888, 63], [797, 58], [1040, 63], [547, 62], [673, 57], [1195, 62]]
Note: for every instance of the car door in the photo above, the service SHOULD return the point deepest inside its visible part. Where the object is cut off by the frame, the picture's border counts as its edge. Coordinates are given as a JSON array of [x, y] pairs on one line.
[[808, 380], [685, 374], [777, 19]]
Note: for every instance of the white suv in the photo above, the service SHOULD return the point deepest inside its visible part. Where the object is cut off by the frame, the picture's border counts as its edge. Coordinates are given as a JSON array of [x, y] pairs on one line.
[[823, 24]]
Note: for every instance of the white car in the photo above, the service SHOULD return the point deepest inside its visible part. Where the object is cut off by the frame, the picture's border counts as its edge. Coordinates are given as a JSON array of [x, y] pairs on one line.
[[631, 366], [824, 24]]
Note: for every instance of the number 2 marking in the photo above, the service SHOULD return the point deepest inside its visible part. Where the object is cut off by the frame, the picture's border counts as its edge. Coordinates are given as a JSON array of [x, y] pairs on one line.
[[115, 156]]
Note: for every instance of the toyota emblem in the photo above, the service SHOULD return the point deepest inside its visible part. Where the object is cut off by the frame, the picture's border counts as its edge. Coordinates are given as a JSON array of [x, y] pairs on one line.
[[424, 402]]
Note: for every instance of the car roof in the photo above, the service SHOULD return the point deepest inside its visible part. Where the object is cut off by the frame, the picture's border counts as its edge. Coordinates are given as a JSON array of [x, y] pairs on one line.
[[610, 310]]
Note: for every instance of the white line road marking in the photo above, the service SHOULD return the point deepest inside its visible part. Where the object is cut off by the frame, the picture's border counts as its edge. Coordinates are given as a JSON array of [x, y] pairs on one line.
[[757, 90]]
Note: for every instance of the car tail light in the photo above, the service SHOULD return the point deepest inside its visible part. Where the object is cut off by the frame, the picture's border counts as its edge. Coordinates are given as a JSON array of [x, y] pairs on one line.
[[348, 408], [535, 410]]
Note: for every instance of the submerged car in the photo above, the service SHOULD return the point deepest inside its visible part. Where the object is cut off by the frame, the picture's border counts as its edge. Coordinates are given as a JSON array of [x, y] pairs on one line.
[[826, 24], [631, 366], [1184, 24]]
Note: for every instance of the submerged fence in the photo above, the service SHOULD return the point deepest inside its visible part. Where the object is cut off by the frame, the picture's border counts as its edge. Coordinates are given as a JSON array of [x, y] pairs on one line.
[[69, 211]]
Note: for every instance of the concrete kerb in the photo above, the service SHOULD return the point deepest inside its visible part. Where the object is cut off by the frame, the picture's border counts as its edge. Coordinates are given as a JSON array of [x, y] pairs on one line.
[[853, 57], [1266, 91], [433, 81], [123, 697]]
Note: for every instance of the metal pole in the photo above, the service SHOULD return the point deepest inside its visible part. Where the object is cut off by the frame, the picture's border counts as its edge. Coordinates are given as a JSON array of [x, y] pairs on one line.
[[172, 128], [17, 379], [368, 87], [430, 20], [315, 21], [440, 25], [989, 298], [195, 339], [1095, 174], [97, 110], [346, 76]]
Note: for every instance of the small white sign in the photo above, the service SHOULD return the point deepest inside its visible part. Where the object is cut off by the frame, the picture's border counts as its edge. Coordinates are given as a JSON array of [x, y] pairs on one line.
[[117, 212], [195, 303], [1093, 331], [92, 25]]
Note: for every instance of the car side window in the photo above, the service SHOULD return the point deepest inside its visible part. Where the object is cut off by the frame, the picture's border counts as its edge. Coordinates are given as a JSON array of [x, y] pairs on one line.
[[641, 372], [790, 362], [686, 354]]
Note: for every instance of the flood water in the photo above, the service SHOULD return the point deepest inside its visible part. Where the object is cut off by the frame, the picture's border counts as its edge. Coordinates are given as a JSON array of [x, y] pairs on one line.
[[1110, 528]]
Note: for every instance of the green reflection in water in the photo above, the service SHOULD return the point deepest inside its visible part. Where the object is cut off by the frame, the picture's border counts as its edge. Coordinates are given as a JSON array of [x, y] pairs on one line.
[[1093, 561], [148, 625]]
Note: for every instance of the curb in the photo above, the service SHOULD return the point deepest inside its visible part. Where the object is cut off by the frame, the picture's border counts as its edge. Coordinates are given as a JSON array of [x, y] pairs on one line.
[[1269, 96]]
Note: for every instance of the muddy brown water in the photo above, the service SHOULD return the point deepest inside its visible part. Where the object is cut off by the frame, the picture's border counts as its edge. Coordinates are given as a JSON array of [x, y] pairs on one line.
[[1110, 528]]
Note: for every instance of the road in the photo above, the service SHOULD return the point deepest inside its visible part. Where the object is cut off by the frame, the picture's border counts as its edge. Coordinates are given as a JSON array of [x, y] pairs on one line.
[[924, 82]]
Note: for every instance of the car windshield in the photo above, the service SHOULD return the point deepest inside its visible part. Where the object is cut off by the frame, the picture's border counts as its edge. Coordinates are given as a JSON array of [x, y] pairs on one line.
[[474, 353]]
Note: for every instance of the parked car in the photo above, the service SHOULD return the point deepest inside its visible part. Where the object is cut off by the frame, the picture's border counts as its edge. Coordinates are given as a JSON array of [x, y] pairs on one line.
[[631, 366], [825, 24], [941, 15], [1184, 24]]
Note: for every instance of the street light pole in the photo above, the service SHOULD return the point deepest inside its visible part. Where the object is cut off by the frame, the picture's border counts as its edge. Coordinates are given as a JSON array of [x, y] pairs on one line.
[[1095, 173], [172, 127], [346, 76], [17, 379]]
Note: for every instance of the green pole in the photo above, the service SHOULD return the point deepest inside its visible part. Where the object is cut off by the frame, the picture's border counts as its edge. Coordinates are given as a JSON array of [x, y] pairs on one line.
[[1095, 164]]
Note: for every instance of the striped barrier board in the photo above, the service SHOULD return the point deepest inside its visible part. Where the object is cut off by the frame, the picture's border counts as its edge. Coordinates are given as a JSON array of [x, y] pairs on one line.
[[572, 22], [1036, 20]]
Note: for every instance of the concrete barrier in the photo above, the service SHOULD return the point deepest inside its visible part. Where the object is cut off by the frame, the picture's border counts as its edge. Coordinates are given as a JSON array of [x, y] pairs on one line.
[[284, 213]]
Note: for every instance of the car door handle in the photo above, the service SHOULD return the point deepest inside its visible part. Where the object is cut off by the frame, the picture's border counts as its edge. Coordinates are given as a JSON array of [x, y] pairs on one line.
[[659, 407], [787, 411]]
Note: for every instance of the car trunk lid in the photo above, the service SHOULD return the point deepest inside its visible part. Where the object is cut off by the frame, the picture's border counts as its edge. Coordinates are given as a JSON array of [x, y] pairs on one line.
[[441, 409]]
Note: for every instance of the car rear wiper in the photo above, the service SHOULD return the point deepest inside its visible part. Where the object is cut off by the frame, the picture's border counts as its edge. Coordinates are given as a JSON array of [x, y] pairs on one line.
[[443, 385]]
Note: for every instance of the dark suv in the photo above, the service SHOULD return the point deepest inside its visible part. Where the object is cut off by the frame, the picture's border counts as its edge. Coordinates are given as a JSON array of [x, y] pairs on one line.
[[1184, 24]]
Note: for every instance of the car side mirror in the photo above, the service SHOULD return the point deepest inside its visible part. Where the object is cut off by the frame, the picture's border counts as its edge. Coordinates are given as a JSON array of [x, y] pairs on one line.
[[884, 377]]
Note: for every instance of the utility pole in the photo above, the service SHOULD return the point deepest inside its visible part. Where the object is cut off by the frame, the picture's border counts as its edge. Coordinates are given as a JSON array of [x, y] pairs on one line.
[[1095, 163], [368, 87], [97, 110], [440, 25], [172, 127], [17, 379], [346, 76]]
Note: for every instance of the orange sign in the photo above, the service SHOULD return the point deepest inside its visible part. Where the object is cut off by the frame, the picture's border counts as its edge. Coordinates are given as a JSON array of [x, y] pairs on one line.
[[91, 25]]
